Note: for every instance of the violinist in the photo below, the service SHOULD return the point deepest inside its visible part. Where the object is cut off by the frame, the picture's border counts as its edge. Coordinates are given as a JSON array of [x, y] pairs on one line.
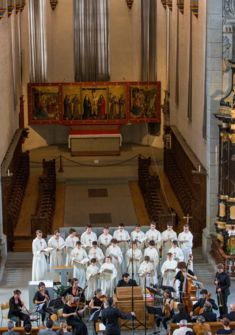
[[16, 306], [75, 290], [72, 314], [183, 275], [198, 307], [96, 305], [41, 299], [167, 310]]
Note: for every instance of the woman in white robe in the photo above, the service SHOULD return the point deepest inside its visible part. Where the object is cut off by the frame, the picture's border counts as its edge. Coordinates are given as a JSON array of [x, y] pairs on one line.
[[80, 260], [56, 242], [70, 243], [39, 266], [146, 273], [92, 277], [133, 258], [108, 275]]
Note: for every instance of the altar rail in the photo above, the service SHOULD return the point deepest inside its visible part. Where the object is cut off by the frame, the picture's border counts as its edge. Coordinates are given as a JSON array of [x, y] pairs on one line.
[[188, 180], [215, 326]]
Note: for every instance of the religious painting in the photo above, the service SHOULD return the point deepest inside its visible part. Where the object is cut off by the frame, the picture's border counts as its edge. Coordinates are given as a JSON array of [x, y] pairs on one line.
[[72, 103], [144, 103], [45, 103], [94, 101], [117, 102]]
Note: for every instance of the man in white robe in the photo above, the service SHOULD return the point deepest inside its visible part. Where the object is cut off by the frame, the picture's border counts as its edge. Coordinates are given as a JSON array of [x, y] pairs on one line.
[[177, 253], [134, 257], [80, 259], [104, 239], [88, 237], [153, 235], [152, 252], [139, 236], [168, 236], [70, 243], [146, 273], [92, 277], [186, 242], [57, 243], [39, 265], [168, 270], [116, 255], [108, 277], [96, 252]]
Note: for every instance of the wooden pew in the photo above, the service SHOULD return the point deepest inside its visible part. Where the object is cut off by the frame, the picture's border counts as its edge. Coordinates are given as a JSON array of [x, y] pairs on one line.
[[214, 326], [20, 330]]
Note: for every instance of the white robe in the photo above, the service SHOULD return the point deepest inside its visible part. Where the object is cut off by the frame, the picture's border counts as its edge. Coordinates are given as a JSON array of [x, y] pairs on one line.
[[154, 258], [79, 259], [39, 266], [70, 243], [87, 239], [108, 280], [139, 237], [117, 258], [168, 276], [57, 254], [167, 237], [146, 270], [96, 253], [153, 235], [92, 277], [125, 238], [134, 266], [178, 254], [104, 241], [186, 243]]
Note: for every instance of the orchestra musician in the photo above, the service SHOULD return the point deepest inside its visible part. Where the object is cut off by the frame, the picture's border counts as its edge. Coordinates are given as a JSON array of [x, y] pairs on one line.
[[16, 308], [104, 239], [198, 307], [181, 314], [95, 306], [80, 259], [75, 290], [167, 309], [108, 274], [126, 281], [208, 313], [39, 266], [72, 314], [70, 244], [222, 283], [182, 276], [168, 270], [134, 257], [92, 276], [186, 242], [168, 236], [41, 299]]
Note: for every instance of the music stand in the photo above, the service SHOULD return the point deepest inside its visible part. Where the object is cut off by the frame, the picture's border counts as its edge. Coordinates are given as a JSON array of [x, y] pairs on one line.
[[169, 288]]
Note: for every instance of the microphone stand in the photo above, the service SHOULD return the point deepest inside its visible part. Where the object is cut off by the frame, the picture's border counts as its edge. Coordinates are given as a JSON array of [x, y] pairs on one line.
[[132, 287], [145, 316]]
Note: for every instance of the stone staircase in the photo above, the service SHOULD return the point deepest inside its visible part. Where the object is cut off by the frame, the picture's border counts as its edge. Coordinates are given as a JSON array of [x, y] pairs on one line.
[[203, 270]]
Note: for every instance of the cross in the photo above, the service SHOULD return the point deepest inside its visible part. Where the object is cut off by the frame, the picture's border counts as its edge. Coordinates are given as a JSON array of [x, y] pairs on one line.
[[187, 217]]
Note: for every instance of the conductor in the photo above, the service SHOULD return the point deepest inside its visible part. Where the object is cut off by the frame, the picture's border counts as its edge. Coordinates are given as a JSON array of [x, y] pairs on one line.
[[110, 316]]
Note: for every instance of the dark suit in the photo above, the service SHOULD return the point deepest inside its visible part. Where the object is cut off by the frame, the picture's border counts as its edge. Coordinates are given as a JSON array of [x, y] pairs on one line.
[[200, 303], [123, 283], [231, 316], [110, 318], [224, 284]]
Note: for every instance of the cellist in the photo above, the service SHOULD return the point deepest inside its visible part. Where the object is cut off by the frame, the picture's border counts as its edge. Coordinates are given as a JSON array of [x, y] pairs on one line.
[[198, 307]]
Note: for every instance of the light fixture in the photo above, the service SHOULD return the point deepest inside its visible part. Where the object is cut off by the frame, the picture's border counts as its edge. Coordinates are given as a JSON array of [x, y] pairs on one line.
[[3, 8], [129, 3], [10, 7], [53, 4], [180, 5]]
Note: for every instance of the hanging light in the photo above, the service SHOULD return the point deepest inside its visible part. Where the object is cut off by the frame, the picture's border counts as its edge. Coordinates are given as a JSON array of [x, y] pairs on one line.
[[10, 7], [129, 3], [53, 4], [180, 5], [3, 8]]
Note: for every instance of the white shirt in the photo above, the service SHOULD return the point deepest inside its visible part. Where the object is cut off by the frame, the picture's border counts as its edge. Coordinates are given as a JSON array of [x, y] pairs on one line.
[[96, 253], [145, 268], [186, 239], [78, 255], [153, 235], [87, 239], [70, 241], [105, 240], [169, 235], [115, 251], [182, 331], [139, 236], [178, 254], [153, 255], [56, 243], [168, 265], [121, 235]]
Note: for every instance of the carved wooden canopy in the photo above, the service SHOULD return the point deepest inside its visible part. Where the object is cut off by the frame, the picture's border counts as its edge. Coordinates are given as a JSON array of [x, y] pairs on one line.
[[194, 7], [180, 5]]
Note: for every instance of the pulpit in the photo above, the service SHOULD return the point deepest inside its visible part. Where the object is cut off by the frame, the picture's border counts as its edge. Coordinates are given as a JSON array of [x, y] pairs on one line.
[[129, 299]]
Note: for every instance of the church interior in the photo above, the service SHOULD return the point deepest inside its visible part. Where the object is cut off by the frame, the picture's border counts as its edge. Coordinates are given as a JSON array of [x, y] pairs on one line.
[[118, 112]]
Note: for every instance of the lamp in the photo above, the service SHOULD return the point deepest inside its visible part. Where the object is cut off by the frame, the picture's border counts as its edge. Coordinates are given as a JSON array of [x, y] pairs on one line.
[[129, 3], [180, 5], [10, 7], [3, 8], [53, 4]]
